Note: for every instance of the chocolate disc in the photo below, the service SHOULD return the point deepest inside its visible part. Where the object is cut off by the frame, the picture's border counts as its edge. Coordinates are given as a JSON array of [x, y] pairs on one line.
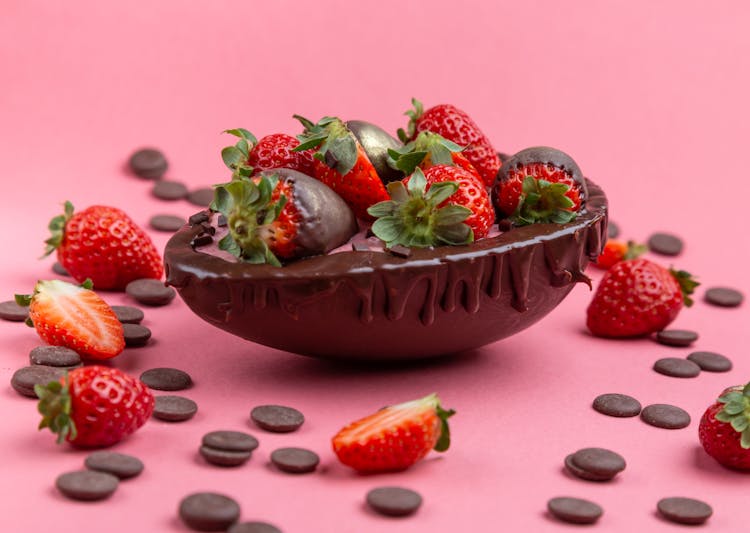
[[174, 408], [277, 418], [599, 461], [723, 297], [665, 244], [613, 230], [118, 464], [253, 527], [619, 405], [684, 510], [169, 190], [574, 510], [710, 361], [295, 460], [148, 163], [579, 472], [60, 270], [136, 335], [13, 312], [25, 378], [677, 368], [168, 379], [209, 511], [233, 441], [201, 197], [60, 356], [224, 457], [676, 337], [665, 416], [128, 314], [394, 501], [150, 292], [166, 223], [87, 485]]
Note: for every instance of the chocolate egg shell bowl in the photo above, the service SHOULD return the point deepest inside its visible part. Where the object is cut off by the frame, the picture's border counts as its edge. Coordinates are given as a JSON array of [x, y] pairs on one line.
[[375, 305]]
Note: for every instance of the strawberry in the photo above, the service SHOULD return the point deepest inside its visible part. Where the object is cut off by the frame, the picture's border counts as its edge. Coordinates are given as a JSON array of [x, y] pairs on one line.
[[638, 297], [250, 156], [724, 429], [283, 214], [103, 244], [69, 315], [342, 163], [395, 437], [94, 406], [427, 150], [616, 251], [444, 205], [539, 185], [456, 126]]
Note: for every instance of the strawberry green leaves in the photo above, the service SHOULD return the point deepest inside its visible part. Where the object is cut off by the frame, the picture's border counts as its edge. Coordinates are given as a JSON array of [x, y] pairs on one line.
[[57, 229], [687, 285], [543, 201], [413, 216], [55, 405], [427, 144], [236, 157], [414, 115], [337, 146], [736, 412]]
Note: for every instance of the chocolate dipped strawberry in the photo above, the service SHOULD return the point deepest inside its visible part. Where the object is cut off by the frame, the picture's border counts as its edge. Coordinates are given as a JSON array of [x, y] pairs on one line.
[[428, 150], [249, 156], [539, 185], [377, 143], [282, 214]]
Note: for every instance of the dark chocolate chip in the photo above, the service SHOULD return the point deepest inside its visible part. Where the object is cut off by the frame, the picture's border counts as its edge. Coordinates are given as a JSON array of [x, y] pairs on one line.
[[221, 221], [400, 251], [148, 163], [504, 224], [208, 228], [203, 239], [619, 405], [723, 297], [167, 223], [253, 527], [711, 361], [136, 335], [665, 244], [599, 461], [677, 368], [295, 460], [209, 511], [118, 464], [277, 418], [87, 485], [233, 441], [128, 314], [54, 356], [613, 230], [394, 501], [359, 246], [166, 379], [174, 408], [169, 190], [574, 510], [150, 292], [198, 218], [224, 457], [581, 473], [676, 337], [13, 312], [60, 270], [665, 416], [25, 378], [201, 197], [684, 510]]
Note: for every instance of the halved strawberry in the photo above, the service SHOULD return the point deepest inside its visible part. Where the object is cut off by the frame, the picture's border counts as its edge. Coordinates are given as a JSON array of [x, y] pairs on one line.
[[395, 437], [428, 150], [70, 315]]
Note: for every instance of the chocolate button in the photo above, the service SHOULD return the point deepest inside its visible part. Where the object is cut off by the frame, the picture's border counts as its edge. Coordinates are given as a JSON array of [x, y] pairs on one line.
[[599, 462], [277, 418], [174, 408], [148, 163], [201, 197], [574, 510], [723, 297], [677, 368], [710, 361], [665, 416], [209, 511], [224, 457], [665, 244], [87, 485], [54, 356], [167, 223], [676, 337], [394, 501], [613, 230], [128, 314], [233, 441], [619, 405], [169, 190], [150, 292], [60, 270], [25, 378], [118, 464], [684, 510], [295, 460], [136, 335], [253, 527], [581, 473], [166, 379], [13, 312]]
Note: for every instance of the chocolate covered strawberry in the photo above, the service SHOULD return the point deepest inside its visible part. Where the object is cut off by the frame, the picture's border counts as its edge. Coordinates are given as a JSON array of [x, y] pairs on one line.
[[94, 406], [724, 429], [616, 251], [342, 163], [376, 142], [638, 297], [395, 437], [103, 244], [428, 150], [249, 156], [539, 185], [455, 125], [282, 214], [74, 316], [444, 205]]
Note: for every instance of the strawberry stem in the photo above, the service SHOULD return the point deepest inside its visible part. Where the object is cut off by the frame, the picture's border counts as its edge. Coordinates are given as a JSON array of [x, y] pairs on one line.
[[736, 412], [55, 406], [57, 229], [414, 115], [687, 284]]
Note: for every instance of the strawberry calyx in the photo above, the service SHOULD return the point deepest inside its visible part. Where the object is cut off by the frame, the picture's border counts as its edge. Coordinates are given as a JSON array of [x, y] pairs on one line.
[[431, 401], [57, 229], [414, 115], [634, 250], [736, 412], [439, 149], [687, 284], [543, 201], [236, 157], [55, 405], [337, 146], [413, 216]]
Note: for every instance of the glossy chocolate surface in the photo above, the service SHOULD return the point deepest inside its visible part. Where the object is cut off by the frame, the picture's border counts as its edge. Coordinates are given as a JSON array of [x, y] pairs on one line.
[[371, 305], [376, 142]]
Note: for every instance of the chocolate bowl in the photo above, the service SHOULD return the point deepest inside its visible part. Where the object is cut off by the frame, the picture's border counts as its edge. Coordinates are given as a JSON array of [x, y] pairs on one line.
[[374, 305]]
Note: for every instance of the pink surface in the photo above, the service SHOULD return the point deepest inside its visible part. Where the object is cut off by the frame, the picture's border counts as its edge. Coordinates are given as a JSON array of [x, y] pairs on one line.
[[651, 99]]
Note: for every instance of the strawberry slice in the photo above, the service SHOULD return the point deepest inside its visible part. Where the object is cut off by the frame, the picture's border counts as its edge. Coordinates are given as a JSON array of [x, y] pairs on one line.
[[74, 316], [395, 437]]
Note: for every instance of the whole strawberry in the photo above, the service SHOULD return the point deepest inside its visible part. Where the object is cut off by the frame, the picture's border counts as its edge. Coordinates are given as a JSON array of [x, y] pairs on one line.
[[455, 125], [70, 315], [724, 429], [249, 156], [395, 437], [638, 297], [616, 251], [104, 245], [428, 150], [94, 406]]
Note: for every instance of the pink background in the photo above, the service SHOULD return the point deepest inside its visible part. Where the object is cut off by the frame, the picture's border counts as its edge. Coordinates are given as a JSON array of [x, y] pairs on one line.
[[650, 98]]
